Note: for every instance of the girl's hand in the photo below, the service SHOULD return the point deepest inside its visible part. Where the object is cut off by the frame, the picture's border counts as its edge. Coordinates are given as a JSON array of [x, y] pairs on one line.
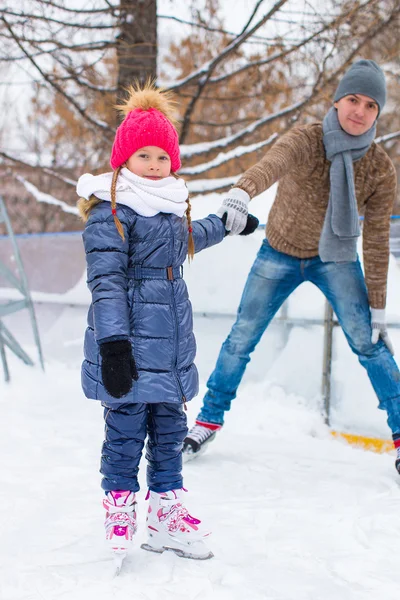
[[251, 225], [118, 367]]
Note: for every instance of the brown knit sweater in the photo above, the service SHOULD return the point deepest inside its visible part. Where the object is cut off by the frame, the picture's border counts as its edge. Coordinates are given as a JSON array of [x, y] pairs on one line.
[[296, 218]]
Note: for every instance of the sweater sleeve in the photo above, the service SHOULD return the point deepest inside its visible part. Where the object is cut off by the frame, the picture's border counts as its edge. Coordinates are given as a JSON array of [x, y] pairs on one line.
[[293, 150], [107, 264], [376, 232]]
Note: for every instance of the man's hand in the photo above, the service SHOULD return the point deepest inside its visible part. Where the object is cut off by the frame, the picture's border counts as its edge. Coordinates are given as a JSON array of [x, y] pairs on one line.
[[235, 207], [379, 329]]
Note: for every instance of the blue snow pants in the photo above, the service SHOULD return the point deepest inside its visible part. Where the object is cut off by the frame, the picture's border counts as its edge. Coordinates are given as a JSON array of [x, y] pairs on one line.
[[126, 429], [273, 277]]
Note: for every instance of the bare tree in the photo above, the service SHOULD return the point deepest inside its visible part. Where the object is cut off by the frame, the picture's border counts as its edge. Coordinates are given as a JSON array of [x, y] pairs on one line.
[[136, 42]]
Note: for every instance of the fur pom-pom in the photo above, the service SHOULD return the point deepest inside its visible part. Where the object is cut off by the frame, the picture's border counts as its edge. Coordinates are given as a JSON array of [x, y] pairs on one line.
[[149, 96]]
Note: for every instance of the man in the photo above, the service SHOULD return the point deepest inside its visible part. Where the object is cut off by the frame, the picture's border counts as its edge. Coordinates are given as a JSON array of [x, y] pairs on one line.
[[328, 173]]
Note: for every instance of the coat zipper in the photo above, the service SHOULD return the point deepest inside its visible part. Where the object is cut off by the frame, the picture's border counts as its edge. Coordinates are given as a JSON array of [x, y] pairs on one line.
[[176, 329]]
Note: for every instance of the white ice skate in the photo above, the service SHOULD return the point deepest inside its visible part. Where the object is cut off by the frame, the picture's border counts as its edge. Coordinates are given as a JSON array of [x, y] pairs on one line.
[[171, 527], [120, 524]]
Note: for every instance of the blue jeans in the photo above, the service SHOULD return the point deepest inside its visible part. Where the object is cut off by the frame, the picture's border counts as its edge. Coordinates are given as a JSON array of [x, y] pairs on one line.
[[273, 277]]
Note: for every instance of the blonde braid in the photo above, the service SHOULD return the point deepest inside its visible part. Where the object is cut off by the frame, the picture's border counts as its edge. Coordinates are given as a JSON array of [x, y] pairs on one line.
[[114, 202], [189, 222], [190, 229]]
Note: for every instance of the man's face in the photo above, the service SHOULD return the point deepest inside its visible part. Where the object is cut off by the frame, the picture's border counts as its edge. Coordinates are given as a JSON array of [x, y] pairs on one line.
[[356, 113]]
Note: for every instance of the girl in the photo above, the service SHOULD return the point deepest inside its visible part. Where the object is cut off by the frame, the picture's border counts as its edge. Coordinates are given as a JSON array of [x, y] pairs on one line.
[[139, 344]]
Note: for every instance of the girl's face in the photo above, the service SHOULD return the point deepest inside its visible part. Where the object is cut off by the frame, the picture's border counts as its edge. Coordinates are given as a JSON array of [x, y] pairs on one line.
[[356, 113], [150, 162]]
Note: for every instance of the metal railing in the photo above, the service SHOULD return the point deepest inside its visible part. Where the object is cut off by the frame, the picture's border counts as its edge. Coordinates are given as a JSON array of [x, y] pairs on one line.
[[328, 323], [20, 283]]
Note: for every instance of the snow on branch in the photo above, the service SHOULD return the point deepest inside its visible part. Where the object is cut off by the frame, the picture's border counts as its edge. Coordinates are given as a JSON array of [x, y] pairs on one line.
[[46, 198], [210, 66], [201, 186], [206, 147], [224, 157], [386, 138], [42, 168]]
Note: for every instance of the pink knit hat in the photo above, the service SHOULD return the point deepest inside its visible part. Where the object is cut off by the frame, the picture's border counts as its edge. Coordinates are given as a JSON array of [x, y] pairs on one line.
[[148, 114]]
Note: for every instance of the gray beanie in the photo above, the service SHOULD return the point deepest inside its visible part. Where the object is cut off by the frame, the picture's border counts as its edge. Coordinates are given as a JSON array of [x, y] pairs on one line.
[[364, 77]]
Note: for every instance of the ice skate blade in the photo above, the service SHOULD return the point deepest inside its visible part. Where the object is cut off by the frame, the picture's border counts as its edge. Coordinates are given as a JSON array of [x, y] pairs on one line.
[[177, 551], [187, 456], [118, 560]]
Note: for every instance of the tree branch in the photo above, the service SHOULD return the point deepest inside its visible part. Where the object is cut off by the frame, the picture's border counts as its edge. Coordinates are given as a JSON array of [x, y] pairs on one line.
[[255, 9], [202, 82], [87, 47], [225, 157], [388, 137], [203, 149], [98, 124], [270, 59], [90, 11], [34, 17], [46, 170], [208, 67], [255, 39]]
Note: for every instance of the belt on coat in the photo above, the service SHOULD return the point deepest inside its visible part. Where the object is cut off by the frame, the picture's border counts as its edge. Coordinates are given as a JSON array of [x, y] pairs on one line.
[[171, 273]]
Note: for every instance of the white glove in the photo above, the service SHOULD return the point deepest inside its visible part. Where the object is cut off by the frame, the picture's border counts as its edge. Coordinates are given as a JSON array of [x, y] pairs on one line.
[[379, 329], [235, 206]]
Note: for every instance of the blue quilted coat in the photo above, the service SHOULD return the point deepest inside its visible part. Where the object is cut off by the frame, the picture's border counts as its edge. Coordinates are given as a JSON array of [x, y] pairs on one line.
[[138, 293]]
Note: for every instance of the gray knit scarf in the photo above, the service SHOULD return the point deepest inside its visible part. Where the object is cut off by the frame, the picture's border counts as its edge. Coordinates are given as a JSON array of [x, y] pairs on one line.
[[338, 241]]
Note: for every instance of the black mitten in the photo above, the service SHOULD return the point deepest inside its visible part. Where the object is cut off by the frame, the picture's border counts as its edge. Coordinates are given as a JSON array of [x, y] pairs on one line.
[[118, 367], [251, 225]]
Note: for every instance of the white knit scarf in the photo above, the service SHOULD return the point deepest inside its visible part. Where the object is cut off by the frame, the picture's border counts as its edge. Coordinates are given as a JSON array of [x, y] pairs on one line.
[[147, 197]]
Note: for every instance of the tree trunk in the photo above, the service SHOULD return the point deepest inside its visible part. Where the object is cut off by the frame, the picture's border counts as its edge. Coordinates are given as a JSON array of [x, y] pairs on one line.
[[136, 43]]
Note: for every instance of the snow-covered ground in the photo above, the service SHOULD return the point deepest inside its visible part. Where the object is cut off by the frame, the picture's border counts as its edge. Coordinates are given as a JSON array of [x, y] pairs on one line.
[[295, 514]]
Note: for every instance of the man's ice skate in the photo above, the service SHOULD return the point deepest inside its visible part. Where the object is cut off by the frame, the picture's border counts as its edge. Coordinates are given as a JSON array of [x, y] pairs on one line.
[[198, 438], [397, 463], [171, 527], [120, 524]]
